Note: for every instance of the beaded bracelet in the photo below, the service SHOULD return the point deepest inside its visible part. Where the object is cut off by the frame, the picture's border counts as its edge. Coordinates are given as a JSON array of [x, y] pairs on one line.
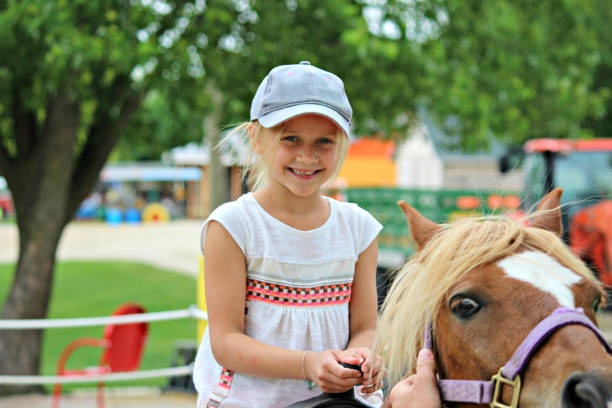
[[309, 383]]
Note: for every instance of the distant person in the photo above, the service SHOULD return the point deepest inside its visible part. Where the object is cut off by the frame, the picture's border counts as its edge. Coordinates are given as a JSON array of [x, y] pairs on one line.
[[290, 273]]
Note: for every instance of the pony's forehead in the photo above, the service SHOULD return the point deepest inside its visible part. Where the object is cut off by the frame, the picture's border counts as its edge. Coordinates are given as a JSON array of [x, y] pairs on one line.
[[543, 272]]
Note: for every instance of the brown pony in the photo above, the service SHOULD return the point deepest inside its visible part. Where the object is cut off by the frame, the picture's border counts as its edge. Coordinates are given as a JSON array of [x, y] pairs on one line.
[[483, 285]]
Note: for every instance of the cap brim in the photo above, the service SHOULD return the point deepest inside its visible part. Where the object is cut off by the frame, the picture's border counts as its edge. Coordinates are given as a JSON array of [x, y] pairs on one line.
[[279, 116]]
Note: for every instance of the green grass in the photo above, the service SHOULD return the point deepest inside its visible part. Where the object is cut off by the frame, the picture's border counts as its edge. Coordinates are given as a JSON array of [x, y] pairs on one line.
[[8, 220], [86, 289]]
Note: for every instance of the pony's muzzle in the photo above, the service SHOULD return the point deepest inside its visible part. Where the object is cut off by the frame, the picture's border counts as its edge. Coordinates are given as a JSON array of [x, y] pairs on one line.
[[586, 391]]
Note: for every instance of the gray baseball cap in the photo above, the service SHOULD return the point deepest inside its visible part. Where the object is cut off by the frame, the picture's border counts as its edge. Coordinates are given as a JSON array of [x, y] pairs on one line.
[[292, 90]]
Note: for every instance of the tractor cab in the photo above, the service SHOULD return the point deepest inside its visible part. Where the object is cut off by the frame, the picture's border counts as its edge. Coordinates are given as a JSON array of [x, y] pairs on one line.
[[583, 169]]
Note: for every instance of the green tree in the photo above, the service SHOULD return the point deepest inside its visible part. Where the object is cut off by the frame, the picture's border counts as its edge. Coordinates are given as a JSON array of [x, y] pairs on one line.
[[499, 69], [599, 119], [73, 75], [332, 34], [160, 124], [514, 70]]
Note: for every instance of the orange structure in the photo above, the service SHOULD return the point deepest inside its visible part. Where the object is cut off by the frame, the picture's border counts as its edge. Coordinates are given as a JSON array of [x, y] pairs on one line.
[[591, 237], [369, 163]]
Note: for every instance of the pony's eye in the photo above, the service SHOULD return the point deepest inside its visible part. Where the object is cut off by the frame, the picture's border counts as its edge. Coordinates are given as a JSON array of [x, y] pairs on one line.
[[464, 307], [596, 305]]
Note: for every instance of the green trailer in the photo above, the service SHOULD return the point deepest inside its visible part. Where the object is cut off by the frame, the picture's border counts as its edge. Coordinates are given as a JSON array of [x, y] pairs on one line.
[[394, 242], [437, 205]]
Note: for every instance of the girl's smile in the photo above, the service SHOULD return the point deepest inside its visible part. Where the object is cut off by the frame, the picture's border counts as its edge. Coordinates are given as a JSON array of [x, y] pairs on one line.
[[303, 174]]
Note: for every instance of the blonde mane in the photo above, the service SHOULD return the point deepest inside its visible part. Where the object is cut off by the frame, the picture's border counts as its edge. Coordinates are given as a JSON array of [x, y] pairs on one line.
[[419, 288]]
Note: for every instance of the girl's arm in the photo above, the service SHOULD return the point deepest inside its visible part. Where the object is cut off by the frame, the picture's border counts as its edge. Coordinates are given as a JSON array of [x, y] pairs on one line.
[[363, 315], [225, 275], [363, 309]]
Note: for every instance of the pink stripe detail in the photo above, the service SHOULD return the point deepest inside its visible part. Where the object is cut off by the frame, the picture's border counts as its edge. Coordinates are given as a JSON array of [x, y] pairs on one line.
[[251, 282], [281, 302], [298, 295]]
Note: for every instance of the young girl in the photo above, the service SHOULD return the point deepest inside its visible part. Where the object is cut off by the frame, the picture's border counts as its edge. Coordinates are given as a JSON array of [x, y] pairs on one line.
[[290, 274]]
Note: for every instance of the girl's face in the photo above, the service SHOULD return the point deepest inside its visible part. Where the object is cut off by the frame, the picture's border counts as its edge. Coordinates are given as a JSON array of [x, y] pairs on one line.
[[306, 156]]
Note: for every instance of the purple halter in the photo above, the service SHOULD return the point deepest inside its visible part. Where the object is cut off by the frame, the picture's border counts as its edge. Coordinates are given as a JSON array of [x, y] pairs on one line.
[[488, 392]]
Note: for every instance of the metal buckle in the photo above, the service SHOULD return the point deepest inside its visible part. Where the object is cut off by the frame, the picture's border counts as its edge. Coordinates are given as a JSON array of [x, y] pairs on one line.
[[499, 379]]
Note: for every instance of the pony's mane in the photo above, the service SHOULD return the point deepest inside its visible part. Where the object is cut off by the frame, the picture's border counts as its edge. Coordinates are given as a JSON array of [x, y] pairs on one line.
[[418, 289]]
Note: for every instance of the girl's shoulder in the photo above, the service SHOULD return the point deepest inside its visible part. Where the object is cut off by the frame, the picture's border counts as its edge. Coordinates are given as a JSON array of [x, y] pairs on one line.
[[352, 211], [236, 208], [357, 222], [233, 216]]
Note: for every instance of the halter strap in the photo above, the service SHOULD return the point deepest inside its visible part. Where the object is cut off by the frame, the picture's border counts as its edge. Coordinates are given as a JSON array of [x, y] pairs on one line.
[[481, 392]]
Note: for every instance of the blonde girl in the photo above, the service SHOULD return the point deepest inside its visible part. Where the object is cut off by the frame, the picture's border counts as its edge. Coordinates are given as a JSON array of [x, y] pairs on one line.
[[290, 273]]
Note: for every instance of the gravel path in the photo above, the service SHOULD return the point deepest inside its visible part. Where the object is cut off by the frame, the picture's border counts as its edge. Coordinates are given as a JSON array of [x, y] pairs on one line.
[[173, 245]]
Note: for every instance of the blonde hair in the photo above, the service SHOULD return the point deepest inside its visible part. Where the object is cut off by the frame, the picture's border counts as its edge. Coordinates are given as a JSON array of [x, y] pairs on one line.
[[419, 288], [255, 168]]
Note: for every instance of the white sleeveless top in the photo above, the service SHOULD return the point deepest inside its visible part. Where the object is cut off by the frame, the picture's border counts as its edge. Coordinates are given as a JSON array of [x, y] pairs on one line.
[[298, 292]]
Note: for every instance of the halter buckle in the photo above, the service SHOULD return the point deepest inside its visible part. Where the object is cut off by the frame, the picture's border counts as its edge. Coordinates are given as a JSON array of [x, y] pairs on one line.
[[500, 380]]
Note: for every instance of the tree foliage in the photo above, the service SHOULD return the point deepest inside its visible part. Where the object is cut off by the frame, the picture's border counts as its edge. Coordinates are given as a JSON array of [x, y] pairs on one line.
[[505, 70], [380, 73], [515, 70]]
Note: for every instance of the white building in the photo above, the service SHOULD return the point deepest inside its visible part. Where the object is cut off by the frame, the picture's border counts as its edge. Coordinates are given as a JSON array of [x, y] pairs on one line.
[[422, 162]]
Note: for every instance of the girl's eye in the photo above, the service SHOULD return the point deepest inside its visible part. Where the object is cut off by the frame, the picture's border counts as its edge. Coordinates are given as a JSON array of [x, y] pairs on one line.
[[326, 140], [290, 139]]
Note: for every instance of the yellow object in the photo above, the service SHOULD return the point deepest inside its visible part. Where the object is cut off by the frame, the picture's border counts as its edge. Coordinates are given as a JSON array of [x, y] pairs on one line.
[[499, 380], [155, 212], [201, 300], [368, 171]]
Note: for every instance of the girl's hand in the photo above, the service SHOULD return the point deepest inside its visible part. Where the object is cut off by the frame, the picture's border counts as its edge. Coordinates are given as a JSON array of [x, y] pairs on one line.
[[324, 369], [371, 380], [420, 390]]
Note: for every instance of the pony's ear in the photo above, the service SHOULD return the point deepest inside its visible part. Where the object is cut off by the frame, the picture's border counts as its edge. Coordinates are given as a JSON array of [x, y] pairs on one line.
[[550, 218], [421, 228]]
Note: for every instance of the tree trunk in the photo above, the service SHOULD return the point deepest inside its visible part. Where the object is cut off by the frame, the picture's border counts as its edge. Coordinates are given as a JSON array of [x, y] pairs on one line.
[[219, 180], [28, 299], [41, 185], [49, 176]]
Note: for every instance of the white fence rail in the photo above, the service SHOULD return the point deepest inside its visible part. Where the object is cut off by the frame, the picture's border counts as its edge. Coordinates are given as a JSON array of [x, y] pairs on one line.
[[23, 324]]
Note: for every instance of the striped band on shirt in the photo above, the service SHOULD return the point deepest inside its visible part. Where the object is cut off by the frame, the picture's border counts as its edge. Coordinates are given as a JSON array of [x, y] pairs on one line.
[[321, 295], [223, 388]]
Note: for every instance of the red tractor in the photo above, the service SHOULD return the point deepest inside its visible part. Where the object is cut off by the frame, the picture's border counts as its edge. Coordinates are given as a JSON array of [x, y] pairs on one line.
[[583, 168]]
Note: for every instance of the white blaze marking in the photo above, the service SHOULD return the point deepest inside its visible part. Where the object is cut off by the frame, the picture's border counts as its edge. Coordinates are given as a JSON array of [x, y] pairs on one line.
[[543, 272]]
